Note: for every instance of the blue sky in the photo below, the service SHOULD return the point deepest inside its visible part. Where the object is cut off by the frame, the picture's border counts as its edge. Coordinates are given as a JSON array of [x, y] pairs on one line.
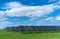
[[29, 12]]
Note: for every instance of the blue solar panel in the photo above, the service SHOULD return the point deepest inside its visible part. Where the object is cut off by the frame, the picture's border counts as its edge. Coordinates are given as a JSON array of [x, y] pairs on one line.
[[45, 28], [22, 28], [50, 28], [17, 28], [27, 28], [57, 27], [38, 28], [54, 27], [12, 28], [41, 28], [33, 27]]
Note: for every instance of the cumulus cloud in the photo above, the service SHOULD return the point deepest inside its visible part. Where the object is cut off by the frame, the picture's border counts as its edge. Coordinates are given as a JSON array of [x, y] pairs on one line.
[[52, 0], [30, 11], [49, 18], [13, 5], [57, 17], [3, 24]]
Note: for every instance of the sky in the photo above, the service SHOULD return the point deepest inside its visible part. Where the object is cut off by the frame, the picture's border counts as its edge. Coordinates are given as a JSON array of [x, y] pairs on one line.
[[29, 12]]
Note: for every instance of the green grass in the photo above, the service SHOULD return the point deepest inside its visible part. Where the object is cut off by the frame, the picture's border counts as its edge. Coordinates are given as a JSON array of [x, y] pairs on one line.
[[18, 35]]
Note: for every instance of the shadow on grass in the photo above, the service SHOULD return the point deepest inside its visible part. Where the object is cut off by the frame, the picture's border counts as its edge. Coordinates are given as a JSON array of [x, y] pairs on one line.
[[40, 31], [36, 31]]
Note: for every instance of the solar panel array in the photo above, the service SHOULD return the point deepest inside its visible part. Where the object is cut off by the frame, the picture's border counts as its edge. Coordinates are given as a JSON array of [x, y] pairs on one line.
[[22, 28]]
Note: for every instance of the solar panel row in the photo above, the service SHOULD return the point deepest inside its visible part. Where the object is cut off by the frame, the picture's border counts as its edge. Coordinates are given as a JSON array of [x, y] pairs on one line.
[[22, 28]]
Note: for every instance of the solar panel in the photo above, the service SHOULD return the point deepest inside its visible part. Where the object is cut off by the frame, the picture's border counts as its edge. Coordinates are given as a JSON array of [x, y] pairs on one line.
[[27, 28], [38, 28], [41, 28], [22, 28], [6, 28], [10, 28], [44, 27], [17, 28], [50, 28], [33, 27], [58, 28], [54, 27]]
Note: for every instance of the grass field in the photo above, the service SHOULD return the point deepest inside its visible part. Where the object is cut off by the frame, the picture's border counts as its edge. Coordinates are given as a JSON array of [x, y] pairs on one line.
[[18, 35]]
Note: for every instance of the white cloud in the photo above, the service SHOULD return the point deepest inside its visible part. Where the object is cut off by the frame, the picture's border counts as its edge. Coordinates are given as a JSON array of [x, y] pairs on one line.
[[57, 17], [49, 18], [13, 5], [3, 24], [52, 0], [30, 11], [58, 3]]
